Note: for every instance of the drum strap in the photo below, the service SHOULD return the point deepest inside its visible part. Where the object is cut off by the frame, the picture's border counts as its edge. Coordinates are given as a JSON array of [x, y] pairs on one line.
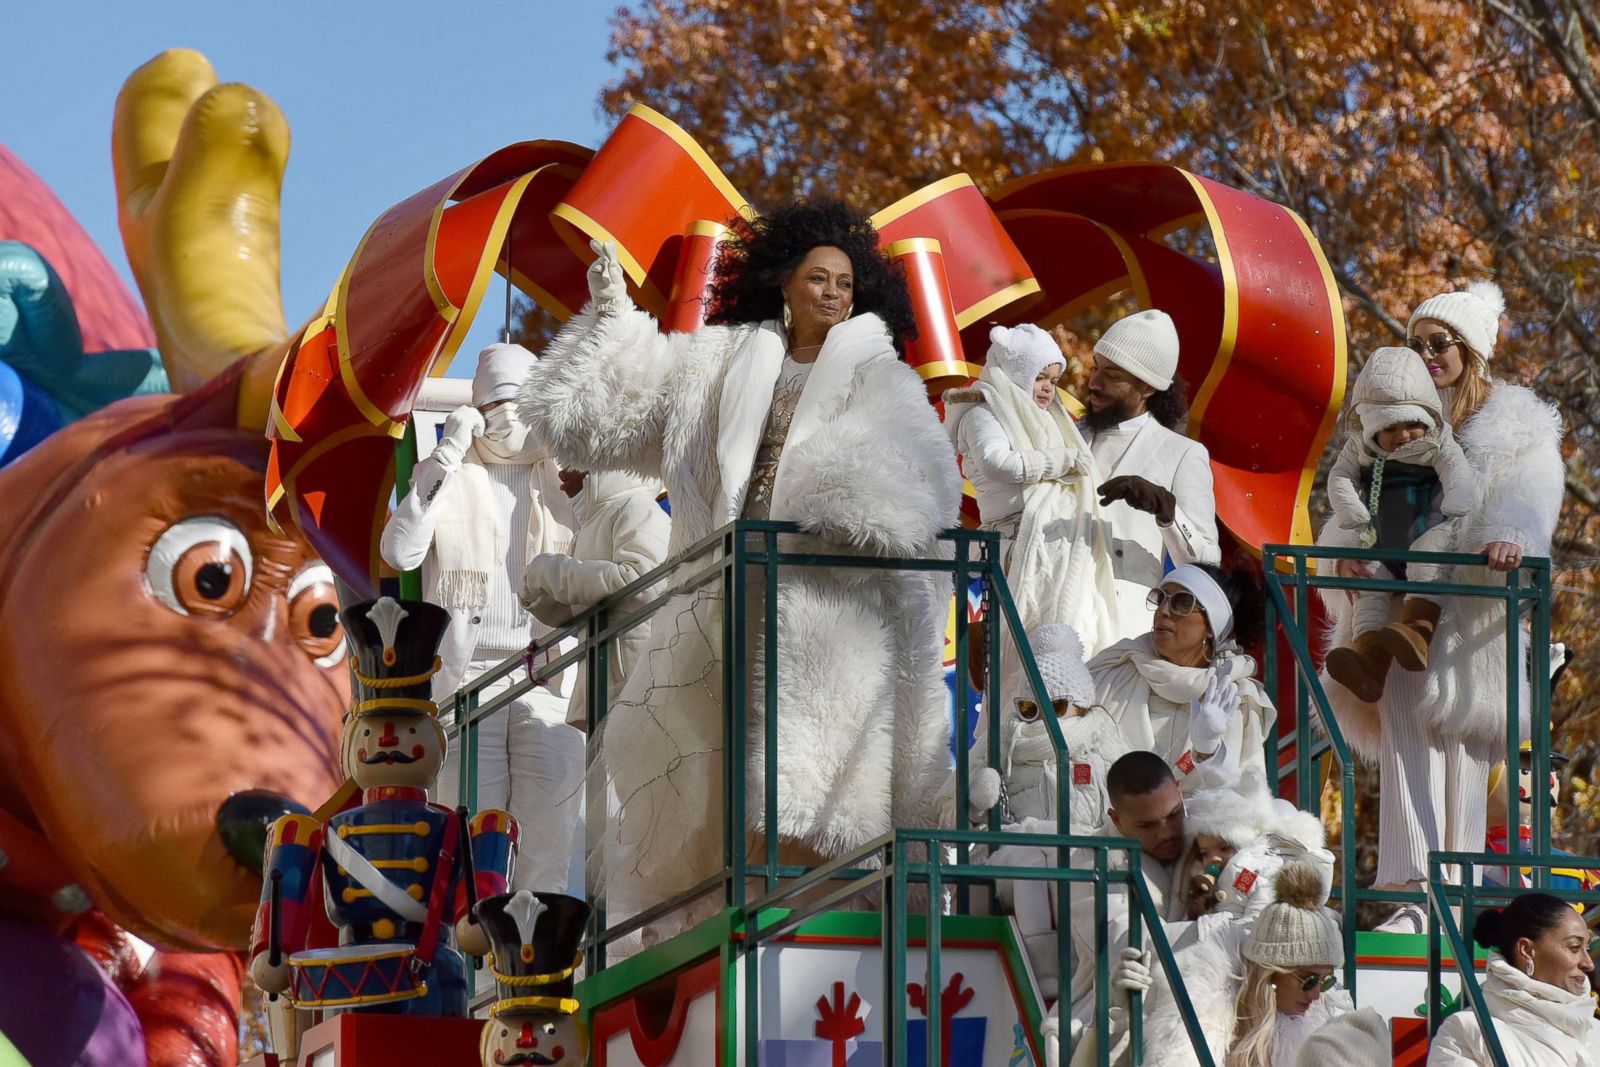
[[372, 880], [443, 875]]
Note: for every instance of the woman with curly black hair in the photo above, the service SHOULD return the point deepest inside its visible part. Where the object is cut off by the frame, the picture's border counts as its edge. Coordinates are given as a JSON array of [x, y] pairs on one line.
[[791, 403]]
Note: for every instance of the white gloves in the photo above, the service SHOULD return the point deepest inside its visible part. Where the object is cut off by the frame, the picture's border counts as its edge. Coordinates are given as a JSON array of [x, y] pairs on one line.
[[608, 286], [1209, 714], [460, 427], [1132, 972]]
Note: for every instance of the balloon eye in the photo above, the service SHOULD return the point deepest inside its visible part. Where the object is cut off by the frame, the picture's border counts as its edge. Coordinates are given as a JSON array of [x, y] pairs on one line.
[[200, 567], [314, 615]]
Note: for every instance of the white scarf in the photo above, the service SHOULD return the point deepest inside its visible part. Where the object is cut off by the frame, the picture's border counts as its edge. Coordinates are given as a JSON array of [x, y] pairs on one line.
[[1060, 567], [470, 538], [1129, 672]]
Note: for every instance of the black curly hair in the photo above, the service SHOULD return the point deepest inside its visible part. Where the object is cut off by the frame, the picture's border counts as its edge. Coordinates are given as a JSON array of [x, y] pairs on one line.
[[761, 253], [1168, 406]]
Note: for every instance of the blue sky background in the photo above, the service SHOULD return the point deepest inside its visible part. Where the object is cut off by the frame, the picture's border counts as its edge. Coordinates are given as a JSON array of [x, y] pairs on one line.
[[383, 98]]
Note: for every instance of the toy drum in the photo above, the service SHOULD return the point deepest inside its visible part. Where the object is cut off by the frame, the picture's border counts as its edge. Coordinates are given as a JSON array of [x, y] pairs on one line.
[[354, 974]]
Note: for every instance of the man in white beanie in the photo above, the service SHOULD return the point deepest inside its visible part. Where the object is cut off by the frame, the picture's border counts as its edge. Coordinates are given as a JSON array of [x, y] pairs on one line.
[[1158, 495], [486, 500]]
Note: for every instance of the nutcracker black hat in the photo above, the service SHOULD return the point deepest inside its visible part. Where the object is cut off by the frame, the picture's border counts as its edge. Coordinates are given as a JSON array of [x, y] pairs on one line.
[[395, 653], [534, 940]]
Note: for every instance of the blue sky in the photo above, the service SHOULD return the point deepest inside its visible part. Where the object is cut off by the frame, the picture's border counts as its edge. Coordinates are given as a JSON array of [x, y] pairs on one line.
[[382, 98]]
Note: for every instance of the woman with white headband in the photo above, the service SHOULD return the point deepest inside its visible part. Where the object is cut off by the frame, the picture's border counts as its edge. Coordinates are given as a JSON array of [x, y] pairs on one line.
[[1186, 690]]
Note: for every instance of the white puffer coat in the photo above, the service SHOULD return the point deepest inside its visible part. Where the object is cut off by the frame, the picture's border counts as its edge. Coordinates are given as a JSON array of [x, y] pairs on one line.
[[622, 536], [1538, 1025], [864, 726]]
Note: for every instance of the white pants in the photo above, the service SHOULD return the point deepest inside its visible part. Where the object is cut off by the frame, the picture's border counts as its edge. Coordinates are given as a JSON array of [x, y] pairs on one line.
[[1433, 795], [530, 762]]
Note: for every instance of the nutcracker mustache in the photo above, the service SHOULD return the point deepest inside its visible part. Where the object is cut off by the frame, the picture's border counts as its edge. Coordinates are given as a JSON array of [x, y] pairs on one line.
[[530, 1057], [388, 757]]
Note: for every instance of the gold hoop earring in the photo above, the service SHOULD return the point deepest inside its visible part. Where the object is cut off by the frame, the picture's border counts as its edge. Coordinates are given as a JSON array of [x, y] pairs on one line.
[[788, 317]]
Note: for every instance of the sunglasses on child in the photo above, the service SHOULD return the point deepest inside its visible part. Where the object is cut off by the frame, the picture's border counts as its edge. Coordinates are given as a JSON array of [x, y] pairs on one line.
[[1028, 710], [1308, 982], [1180, 602], [1438, 344]]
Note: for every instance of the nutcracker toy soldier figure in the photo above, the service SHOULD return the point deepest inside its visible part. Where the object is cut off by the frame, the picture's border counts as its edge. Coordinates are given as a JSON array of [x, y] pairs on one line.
[[535, 939], [391, 868]]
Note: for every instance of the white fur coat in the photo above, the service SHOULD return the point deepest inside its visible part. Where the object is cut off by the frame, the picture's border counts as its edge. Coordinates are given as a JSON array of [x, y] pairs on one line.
[[863, 729], [1514, 445]]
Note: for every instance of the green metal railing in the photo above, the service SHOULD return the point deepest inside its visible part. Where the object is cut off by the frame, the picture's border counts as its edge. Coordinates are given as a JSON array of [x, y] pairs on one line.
[[727, 559], [1526, 587], [1444, 897]]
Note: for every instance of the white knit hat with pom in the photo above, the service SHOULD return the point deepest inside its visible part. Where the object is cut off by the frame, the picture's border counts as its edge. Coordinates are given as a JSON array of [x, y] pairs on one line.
[[1145, 344], [1295, 930], [1059, 654], [1021, 352], [1473, 313]]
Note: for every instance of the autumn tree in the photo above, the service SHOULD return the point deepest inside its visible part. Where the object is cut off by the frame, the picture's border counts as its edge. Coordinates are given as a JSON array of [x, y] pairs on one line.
[[1427, 143]]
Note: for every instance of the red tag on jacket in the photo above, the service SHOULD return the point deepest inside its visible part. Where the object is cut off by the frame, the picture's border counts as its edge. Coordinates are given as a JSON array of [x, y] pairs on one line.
[[1082, 774], [1246, 879], [1186, 762]]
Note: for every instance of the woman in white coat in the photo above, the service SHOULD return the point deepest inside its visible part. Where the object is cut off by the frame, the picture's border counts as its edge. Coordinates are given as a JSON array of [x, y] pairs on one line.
[[1536, 987], [1186, 690], [791, 403], [1435, 733]]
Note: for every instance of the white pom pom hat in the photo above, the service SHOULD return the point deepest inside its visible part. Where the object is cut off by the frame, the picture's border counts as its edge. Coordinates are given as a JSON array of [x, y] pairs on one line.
[[1473, 313], [1059, 653], [1022, 352]]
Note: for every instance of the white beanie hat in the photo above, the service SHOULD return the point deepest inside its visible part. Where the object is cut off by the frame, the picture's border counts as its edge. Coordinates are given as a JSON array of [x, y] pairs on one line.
[[1474, 313], [1022, 352], [1145, 344], [501, 371], [1357, 1038], [1376, 417], [1059, 653], [1295, 930]]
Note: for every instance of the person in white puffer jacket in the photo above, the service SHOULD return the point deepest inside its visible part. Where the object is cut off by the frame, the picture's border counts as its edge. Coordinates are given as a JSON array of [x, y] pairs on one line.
[[622, 536], [1536, 987]]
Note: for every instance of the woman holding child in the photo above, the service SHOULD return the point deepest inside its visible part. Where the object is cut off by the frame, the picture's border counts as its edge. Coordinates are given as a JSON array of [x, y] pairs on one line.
[[1437, 724]]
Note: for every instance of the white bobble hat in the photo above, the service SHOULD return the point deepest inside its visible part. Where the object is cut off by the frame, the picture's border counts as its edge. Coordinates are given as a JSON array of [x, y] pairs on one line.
[[1145, 344], [502, 368], [1296, 930], [1355, 1039], [1059, 653], [1022, 352], [1473, 313]]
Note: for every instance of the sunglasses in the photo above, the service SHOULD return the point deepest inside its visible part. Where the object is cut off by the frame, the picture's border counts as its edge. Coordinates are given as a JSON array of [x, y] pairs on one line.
[[1438, 344], [1180, 603], [1028, 710], [1315, 981]]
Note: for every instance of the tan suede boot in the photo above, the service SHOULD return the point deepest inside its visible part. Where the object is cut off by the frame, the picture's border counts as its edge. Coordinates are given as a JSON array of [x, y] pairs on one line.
[[1408, 639], [1362, 667]]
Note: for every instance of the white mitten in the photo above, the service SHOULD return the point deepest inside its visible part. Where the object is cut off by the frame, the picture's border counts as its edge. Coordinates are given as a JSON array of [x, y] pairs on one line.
[[608, 286], [460, 427], [1209, 714], [983, 792]]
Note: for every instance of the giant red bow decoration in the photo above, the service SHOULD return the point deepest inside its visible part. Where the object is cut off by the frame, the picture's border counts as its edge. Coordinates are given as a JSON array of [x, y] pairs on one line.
[[1262, 333]]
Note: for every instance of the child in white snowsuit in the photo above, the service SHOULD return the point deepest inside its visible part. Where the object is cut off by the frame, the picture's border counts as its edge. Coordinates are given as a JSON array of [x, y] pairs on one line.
[[1400, 482], [622, 535], [1028, 775]]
